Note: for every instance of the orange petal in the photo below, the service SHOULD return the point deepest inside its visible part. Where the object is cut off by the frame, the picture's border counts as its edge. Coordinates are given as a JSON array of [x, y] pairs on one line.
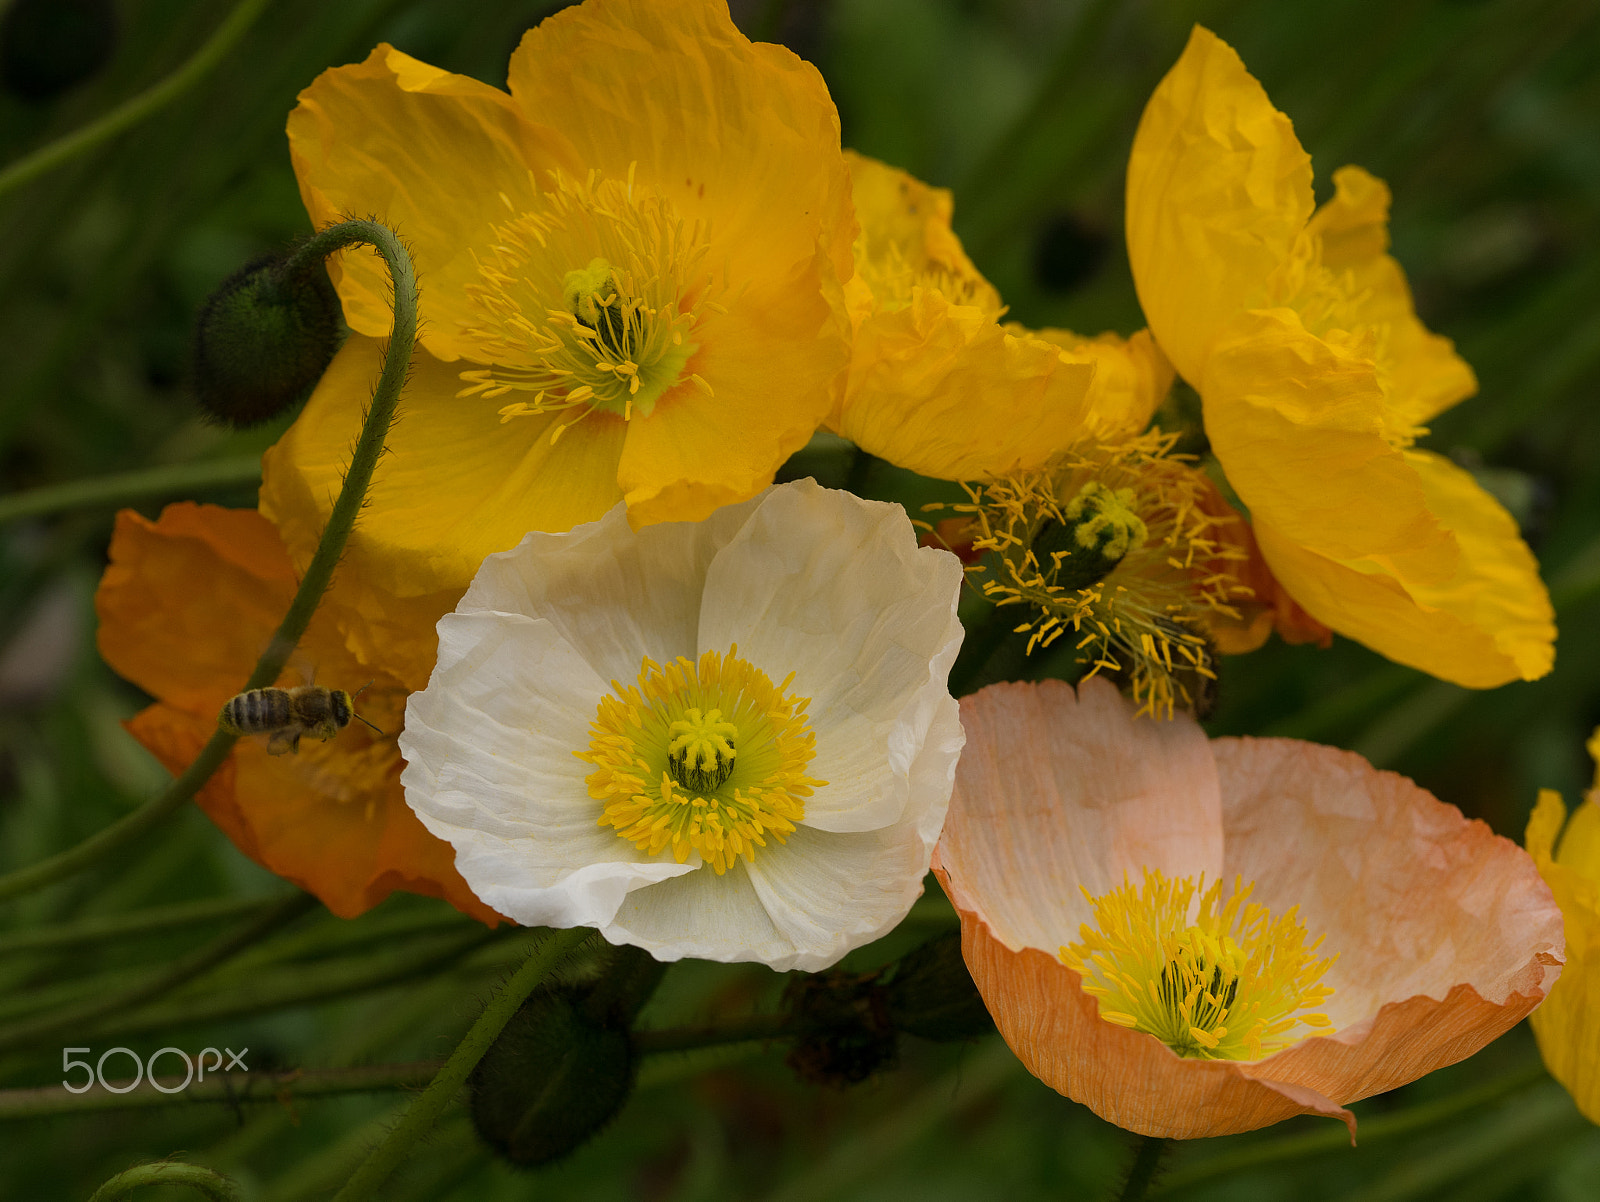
[[441, 159], [186, 607]]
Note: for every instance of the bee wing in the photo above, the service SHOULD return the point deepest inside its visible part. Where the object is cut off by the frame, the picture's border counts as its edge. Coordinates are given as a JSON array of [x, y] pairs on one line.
[[285, 740]]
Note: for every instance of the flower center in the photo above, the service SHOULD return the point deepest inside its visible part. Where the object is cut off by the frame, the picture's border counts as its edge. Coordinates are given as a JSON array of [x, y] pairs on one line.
[[590, 301], [706, 758], [1228, 982]]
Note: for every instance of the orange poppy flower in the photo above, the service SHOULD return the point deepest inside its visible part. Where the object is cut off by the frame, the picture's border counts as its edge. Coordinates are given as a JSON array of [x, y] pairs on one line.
[[186, 607], [1368, 934]]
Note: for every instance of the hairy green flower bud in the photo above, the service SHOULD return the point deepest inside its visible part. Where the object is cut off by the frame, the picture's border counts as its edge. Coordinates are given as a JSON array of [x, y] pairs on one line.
[[565, 1064], [264, 338]]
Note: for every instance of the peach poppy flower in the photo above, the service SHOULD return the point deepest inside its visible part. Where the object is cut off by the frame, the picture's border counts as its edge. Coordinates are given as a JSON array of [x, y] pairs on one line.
[[1378, 916], [630, 267], [186, 607]]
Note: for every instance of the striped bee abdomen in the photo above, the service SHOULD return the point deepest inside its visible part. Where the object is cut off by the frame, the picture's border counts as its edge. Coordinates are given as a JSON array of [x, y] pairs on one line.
[[257, 712]]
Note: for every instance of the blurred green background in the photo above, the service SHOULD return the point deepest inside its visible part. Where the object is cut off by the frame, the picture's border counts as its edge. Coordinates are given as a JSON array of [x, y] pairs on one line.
[[1483, 115]]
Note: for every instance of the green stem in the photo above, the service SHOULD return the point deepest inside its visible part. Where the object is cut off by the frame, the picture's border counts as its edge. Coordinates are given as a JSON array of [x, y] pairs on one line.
[[182, 970], [135, 109], [1146, 1163], [1379, 1127], [231, 1089], [173, 480], [381, 1164], [168, 1172], [154, 921], [396, 363]]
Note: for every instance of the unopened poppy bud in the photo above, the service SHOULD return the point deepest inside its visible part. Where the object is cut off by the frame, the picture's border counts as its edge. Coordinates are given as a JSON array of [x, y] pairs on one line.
[[264, 338], [564, 1065]]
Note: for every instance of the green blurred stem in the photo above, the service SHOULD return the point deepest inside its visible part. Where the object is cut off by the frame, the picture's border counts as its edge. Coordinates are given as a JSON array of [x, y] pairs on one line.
[[173, 480], [1379, 1127], [750, 1028], [179, 972], [396, 363], [135, 109], [421, 1114], [154, 921], [168, 1172], [231, 1089], [1146, 1163]]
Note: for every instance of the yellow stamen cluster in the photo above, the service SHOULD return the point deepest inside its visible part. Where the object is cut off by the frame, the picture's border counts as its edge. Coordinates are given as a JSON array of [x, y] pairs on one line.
[[1110, 545], [1214, 980], [591, 300], [706, 758]]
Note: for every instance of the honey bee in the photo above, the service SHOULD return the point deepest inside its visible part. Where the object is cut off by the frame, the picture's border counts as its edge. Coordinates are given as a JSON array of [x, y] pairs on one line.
[[286, 714]]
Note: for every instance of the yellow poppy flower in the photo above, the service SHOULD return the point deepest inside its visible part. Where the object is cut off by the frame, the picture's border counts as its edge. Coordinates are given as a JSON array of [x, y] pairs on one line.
[[630, 272], [937, 382], [1297, 328], [1568, 1024]]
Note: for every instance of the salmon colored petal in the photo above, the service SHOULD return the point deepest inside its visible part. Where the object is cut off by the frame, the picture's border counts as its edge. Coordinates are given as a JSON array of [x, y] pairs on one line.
[[456, 485], [1445, 935], [186, 607], [1060, 789], [743, 136], [441, 159], [1568, 1024], [1489, 623], [1125, 1077], [1219, 190], [1424, 374]]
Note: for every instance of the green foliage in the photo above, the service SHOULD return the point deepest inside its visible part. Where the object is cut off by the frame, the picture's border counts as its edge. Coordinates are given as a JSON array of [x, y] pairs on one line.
[[1483, 115]]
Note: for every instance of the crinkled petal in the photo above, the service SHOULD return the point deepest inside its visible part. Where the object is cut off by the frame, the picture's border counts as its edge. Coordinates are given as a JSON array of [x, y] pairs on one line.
[[441, 159], [1568, 1024], [1424, 374], [741, 135], [835, 590], [944, 390], [1219, 189], [614, 594], [490, 767], [456, 484], [1489, 623], [1445, 935], [1131, 378], [1059, 791]]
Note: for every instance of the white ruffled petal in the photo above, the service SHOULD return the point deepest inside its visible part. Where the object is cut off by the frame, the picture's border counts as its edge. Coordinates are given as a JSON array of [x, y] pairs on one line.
[[614, 594], [702, 916], [834, 589], [490, 768]]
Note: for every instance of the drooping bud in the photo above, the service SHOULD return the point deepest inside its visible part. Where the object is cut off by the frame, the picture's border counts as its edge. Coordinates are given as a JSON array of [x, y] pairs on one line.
[[844, 1031], [565, 1064], [264, 338]]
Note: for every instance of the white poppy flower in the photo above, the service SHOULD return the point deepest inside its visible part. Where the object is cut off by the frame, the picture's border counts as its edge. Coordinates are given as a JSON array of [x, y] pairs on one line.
[[730, 739]]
